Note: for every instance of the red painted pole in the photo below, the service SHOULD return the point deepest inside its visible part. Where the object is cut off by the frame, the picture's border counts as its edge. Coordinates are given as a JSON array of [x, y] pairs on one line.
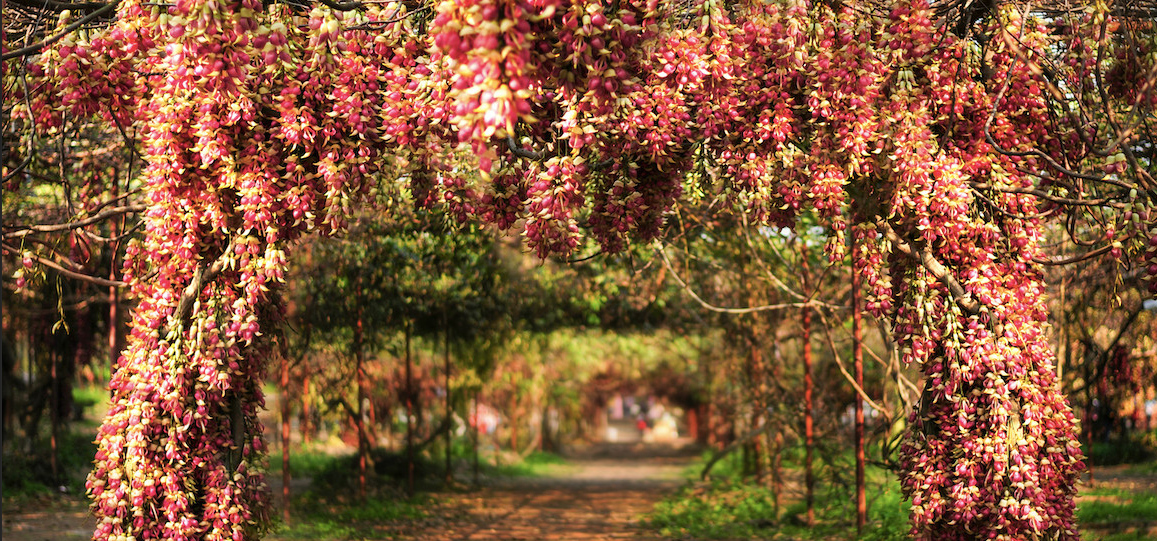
[[858, 356], [285, 412]]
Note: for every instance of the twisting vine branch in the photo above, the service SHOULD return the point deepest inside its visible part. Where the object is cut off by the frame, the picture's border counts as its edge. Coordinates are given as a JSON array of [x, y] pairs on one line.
[[936, 268]]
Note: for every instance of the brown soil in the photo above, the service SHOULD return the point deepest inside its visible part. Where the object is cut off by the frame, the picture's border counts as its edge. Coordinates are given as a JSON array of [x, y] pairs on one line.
[[602, 495], [60, 518]]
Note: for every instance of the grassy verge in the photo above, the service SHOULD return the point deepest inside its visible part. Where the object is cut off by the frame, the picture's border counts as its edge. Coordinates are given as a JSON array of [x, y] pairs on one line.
[[537, 464], [28, 472], [732, 509], [1117, 514], [728, 508], [331, 510], [341, 517]]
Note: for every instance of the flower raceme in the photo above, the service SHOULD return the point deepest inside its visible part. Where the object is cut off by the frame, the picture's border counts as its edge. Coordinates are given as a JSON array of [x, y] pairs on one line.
[[262, 121]]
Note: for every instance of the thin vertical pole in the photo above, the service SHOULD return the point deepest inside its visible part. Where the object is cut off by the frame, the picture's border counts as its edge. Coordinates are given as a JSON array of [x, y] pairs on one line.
[[477, 422], [808, 392], [808, 420], [858, 356], [363, 447], [113, 298], [449, 413], [54, 413], [306, 410], [409, 417], [285, 412]]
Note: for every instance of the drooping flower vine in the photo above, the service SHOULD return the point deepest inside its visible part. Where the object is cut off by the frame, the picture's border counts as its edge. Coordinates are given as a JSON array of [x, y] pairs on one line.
[[938, 150]]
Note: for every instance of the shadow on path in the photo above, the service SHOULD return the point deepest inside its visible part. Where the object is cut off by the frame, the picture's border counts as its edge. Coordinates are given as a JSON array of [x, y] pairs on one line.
[[602, 495]]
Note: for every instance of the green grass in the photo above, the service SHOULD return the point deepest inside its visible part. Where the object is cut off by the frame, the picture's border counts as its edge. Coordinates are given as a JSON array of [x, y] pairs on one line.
[[331, 511], [334, 517], [1142, 468], [1133, 450], [537, 464], [28, 473], [1114, 506], [729, 509], [307, 463]]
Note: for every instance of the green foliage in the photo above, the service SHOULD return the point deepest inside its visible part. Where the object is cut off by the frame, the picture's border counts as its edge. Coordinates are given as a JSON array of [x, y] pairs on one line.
[[317, 516], [732, 508], [1135, 448], [388, 469], [312, 463], [28, 472], [1117, 515], [722, 510], [536, 464]]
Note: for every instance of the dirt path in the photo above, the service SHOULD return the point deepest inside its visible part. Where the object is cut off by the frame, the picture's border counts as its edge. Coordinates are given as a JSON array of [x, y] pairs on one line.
[[49, 519], [602, 495]]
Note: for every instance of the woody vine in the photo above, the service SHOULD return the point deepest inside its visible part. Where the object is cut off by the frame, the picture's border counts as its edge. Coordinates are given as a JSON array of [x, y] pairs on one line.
[[937, 138]]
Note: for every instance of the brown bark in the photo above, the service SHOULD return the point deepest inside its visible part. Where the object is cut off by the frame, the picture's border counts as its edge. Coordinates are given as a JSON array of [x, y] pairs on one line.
[[409, 417], [114, 340], [474, 434], [54, 414], [306, 410], [449, 412], [285, 413], [693, 423], [858, 356], [808, 421], [363, 441]]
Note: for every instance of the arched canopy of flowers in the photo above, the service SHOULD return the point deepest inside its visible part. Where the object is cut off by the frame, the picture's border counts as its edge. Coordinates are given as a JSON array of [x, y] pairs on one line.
[[935, 140]]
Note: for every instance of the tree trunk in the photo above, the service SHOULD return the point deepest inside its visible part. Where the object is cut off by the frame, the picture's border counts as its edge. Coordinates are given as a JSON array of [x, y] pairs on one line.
[[808, 421], [363, 441], [1088, 420], [306, 410], [285, 413], [474, 433], [449, 412], [114, 341], [409, 417], [54, 414], [858, 357]]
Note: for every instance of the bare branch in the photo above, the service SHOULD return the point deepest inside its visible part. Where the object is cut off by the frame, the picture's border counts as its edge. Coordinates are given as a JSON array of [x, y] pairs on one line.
[[24, 231], [667, 262], [1060, 261], [36, 47], [54, 5], [201, 276], [342, 6], [67, 272], [843, 370]]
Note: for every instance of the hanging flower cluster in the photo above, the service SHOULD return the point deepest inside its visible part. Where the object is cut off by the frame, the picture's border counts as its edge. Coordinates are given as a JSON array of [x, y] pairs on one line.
[[261, 122]]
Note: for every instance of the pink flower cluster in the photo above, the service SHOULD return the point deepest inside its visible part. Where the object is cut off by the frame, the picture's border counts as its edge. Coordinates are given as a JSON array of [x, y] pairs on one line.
[[260, 123]]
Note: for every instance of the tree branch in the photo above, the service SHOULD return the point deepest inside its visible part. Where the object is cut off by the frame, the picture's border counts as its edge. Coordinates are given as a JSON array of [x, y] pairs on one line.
[[23, 231], [54, 5], [938, 270], [68, 272], [739, 442], [36, 47], [342, 6], [847, 375], [667, 262], [522, 152], [201, 276], [1057, 261]]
